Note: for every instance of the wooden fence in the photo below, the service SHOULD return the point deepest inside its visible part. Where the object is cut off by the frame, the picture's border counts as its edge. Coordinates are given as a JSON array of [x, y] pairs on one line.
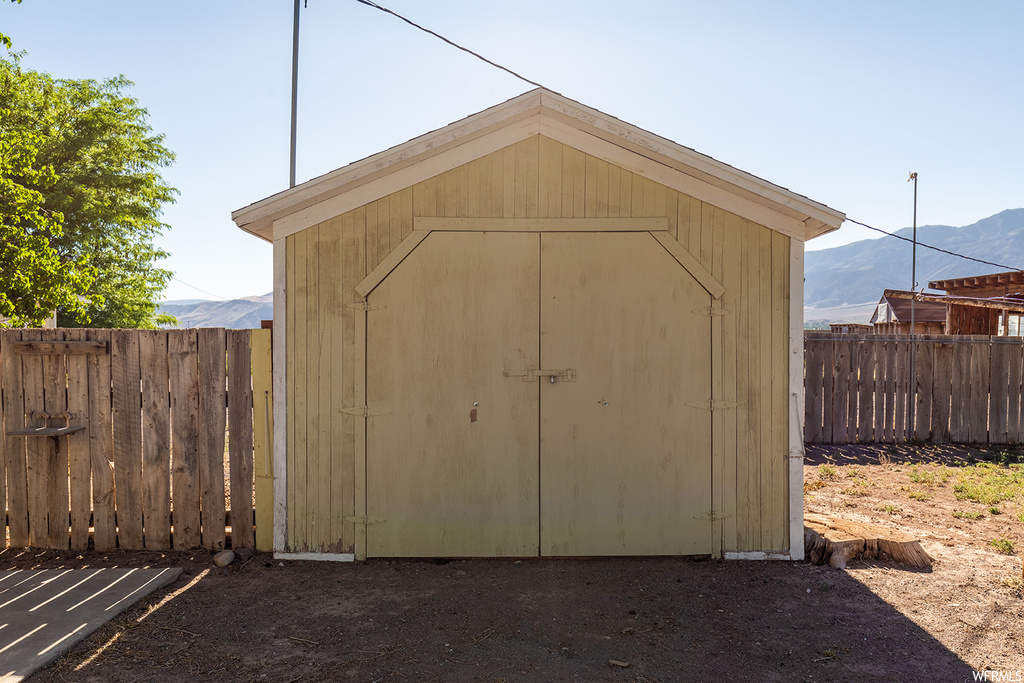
[[117, 438], [964, 389]]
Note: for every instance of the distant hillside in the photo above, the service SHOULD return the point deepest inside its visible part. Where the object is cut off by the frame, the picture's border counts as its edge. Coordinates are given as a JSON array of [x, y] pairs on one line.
[[239, 314], [843, 283]]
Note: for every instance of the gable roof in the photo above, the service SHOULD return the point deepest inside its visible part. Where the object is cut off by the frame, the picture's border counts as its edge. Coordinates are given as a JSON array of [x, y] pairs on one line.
[[546, 113], [925, 310]]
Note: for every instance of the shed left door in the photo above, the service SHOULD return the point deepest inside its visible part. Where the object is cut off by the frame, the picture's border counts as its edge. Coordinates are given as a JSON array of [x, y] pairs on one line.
[[453, 453]]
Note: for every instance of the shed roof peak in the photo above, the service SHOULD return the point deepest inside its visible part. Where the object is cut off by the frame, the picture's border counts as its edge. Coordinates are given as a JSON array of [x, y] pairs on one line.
[[538, 111]]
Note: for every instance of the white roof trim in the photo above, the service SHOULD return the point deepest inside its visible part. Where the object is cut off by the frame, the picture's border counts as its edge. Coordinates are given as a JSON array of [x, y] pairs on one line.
[[537, 111]]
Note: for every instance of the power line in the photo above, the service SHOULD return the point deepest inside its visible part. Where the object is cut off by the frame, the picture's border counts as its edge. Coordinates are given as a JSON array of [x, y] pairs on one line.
[[222, 298], [928, 246], [370, 3]]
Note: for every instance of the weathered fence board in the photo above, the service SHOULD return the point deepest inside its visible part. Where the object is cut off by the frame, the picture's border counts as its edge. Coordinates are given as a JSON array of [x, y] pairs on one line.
[[212, 390], [240, 437], [183, 347], [78, 443], [101, 446], [127, 407], [156, 440], [142, 461], [937, 388]]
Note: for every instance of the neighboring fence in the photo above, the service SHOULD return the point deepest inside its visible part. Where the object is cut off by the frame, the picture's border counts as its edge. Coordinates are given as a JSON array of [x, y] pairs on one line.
[[118, 437], [966, 389]]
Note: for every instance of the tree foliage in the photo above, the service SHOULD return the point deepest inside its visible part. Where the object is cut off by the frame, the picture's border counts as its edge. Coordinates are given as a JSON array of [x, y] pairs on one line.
[[92, 163]]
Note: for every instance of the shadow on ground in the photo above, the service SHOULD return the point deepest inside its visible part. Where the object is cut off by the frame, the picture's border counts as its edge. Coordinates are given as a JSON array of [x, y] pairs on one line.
[[487, 620]]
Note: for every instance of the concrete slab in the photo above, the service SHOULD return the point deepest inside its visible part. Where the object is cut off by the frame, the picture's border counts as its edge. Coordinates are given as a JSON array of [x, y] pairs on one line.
[[44, 612]]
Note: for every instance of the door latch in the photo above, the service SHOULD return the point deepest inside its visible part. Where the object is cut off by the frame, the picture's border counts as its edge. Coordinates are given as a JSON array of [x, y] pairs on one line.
[[567, 375]]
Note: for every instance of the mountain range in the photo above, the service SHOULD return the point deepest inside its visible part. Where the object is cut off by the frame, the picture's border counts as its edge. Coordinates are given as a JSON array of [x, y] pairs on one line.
[[844, 284], [239, 314]]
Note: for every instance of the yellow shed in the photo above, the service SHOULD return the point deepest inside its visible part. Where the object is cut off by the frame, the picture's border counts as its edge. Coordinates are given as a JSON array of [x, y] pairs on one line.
[[538, 331]]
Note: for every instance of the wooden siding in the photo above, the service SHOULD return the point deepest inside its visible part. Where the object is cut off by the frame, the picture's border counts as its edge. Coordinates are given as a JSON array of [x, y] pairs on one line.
[[538, 177]]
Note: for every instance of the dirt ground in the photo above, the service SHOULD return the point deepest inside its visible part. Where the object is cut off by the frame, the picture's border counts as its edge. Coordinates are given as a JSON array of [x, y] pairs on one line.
[[596, 620]]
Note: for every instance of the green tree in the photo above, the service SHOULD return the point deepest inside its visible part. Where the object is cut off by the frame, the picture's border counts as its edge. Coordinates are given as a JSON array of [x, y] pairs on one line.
[[35, 279], [103, 179]]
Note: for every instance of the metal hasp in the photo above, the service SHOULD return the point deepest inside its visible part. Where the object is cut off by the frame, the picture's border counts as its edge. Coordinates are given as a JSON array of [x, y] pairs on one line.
[[567, 375]]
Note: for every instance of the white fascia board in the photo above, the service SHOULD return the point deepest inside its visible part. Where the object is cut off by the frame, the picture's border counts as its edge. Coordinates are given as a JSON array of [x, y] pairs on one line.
[[507, 123]]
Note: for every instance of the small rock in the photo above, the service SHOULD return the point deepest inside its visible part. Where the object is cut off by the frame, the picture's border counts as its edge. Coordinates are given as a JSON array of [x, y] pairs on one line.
[[244, 554], [617, 663], [223, 558]]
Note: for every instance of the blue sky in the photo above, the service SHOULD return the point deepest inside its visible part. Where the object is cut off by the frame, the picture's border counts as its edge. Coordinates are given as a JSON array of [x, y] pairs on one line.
[[835, 101]]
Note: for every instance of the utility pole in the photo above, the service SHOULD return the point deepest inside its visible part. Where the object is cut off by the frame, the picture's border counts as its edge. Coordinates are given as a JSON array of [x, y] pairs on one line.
[[912, 412], [913, 258], [295, 93]]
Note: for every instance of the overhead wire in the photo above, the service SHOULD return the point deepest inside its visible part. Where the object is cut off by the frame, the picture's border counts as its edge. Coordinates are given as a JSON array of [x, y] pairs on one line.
[[222, 298], [370, 3], [928, 246]]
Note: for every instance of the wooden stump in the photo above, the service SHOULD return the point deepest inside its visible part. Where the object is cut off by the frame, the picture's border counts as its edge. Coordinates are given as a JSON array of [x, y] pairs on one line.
[[838, 541]]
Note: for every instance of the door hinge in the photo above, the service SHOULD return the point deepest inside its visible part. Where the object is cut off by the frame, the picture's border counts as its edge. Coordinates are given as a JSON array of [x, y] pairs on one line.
[[363, 411], [366, 306], [710, 310], [364, 519], [712, 516], [568, 375], [713, 404]]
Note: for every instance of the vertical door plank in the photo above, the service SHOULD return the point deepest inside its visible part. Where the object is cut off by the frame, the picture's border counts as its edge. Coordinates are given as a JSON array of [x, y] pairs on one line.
[[780, 389], [79, 450], [240, 442], [212, 411], [347, 480], [183, 369], [263, 430], [156, 439], [127, 419], [726, 506], [314, 452], [333, 304], [101, 445], [15, 446]]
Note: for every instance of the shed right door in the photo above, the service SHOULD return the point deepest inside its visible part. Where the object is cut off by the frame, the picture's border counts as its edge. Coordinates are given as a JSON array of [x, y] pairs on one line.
[[625, 449]]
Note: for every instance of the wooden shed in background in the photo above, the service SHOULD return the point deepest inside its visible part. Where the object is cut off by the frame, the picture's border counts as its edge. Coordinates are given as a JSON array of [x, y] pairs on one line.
[[538, 331]]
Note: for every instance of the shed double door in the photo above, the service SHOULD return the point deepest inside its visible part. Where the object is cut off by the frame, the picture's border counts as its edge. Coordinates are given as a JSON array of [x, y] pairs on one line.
[[538, 394]]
